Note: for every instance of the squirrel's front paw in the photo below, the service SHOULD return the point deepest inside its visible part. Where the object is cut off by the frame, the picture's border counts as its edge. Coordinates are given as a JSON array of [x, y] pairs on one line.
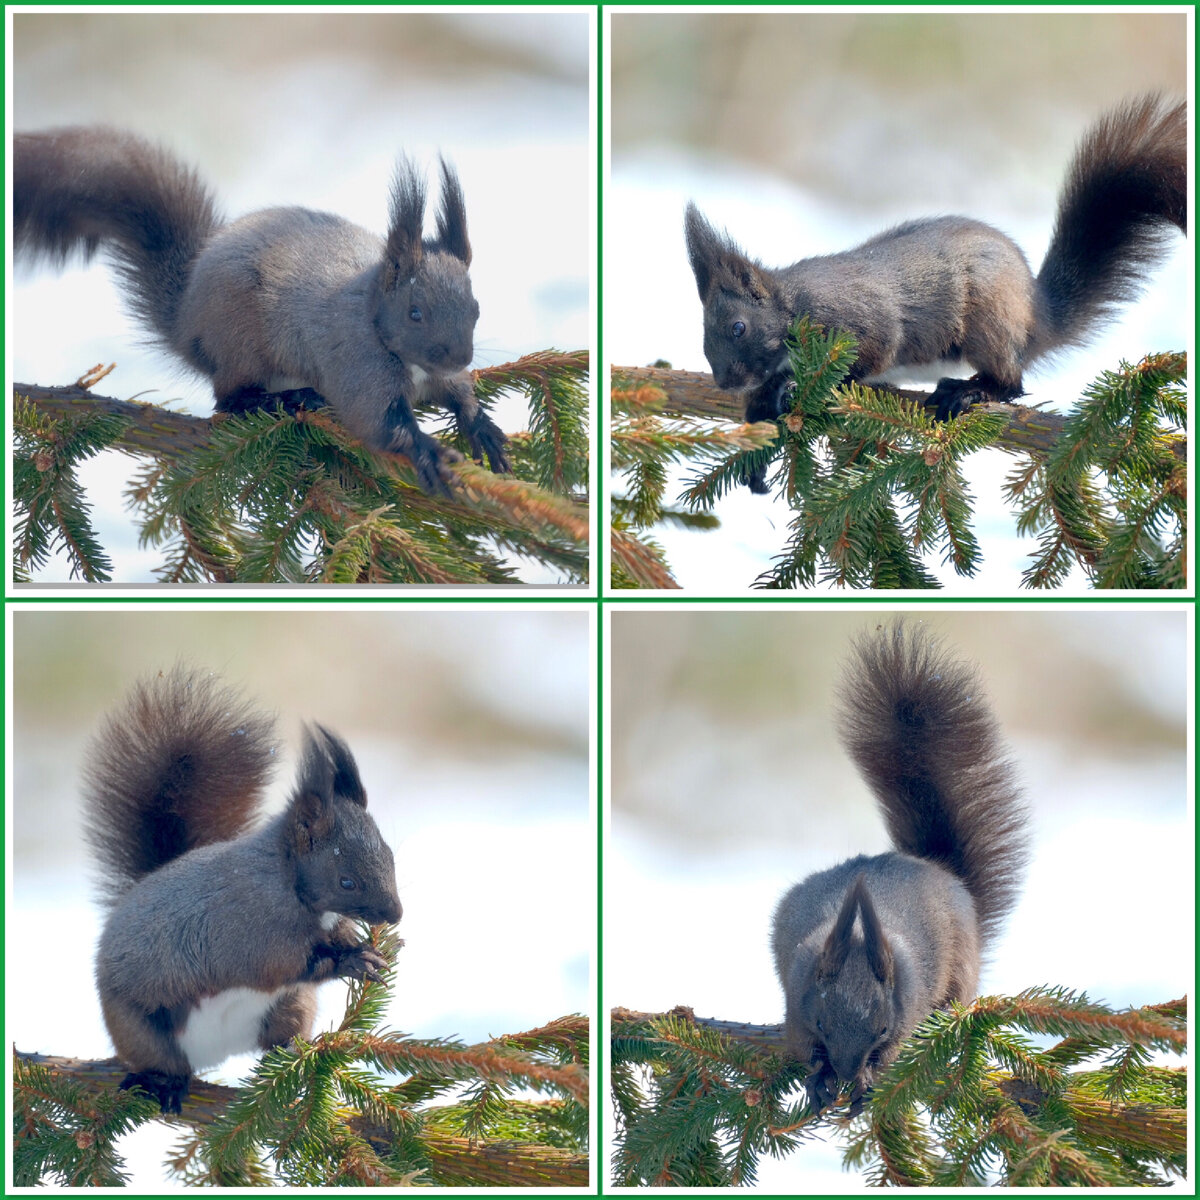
[[430, 459], [486, 437], [362, 962], [756, 481], [822, 1086]]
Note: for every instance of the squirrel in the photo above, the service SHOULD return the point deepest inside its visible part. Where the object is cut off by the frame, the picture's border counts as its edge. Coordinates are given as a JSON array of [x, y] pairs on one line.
[[284, 307], [867, 949], [952, 289], [217, 934]]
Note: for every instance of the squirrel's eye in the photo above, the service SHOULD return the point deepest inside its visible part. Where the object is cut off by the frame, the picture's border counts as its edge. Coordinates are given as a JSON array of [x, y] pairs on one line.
[[414, 314], [347, 883], [739, 327]]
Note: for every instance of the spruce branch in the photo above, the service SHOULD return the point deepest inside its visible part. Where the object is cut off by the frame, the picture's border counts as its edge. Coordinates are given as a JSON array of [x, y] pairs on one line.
[[322, 1113], [971, 1096], [643, 445], [695, 394], [271, 496], [875, 483]]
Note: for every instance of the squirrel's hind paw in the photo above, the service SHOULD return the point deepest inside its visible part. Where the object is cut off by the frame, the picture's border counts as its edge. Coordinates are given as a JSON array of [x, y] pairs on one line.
[[168, 1090]]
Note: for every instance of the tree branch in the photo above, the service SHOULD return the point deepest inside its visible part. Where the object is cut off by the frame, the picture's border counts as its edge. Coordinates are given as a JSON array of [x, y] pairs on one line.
[[693, 393], [761, 1037], [500, 1163], [160, 433]]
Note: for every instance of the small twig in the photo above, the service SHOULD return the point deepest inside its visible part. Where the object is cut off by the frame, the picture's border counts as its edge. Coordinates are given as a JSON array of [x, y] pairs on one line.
[[93, 376]]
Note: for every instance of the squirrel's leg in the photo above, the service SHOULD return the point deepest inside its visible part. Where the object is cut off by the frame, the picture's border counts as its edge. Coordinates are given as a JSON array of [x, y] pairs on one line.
[[343, 955], [251, 398], [145, 1043], [767, 402], [821, 1083], [291, 1016], [953, 397], [168, 1090], [483, 435], [400, 434]]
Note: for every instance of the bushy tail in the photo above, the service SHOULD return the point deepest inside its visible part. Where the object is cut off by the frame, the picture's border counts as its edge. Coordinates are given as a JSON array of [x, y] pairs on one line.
[[919, 728], [77, 188], [181, 763], [1125, 189]]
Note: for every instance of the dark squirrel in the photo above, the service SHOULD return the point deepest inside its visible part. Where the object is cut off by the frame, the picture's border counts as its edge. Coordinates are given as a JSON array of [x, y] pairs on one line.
[[217, 935], [284, 307], [866, 950], [951, 289]]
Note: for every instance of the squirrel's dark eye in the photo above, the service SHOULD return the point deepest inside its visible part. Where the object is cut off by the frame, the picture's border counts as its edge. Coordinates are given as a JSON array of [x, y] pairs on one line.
[[739, 327], [414, 314], [347, 883]]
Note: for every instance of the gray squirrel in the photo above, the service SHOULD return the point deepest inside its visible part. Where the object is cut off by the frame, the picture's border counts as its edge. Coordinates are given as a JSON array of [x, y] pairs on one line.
[[951, 289], [867, 949], [285, 306], [217, 934]]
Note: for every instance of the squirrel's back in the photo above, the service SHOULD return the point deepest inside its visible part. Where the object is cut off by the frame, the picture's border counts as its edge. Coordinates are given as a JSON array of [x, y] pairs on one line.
[[181, 763], [918, 726]]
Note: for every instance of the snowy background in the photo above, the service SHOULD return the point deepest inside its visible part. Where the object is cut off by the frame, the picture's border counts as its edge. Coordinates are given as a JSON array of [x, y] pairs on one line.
[[310, 108], [805, 133], [728, 786], [471, 730]]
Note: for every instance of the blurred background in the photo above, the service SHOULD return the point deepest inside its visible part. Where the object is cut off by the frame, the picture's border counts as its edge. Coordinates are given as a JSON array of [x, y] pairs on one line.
[[312, 109], [805, 133], [471, 730], [728, 786]]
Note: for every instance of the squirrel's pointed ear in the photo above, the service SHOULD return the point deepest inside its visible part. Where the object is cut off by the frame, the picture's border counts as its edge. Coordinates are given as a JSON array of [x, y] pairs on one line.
[[452, 216], [310, 811], [404, 250], [837, 945], [718, 263], [875, 942], [346, 781], [704, 249]]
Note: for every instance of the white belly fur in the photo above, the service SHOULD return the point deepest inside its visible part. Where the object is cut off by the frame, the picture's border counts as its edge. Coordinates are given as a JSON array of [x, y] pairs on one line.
[[224, 1024]]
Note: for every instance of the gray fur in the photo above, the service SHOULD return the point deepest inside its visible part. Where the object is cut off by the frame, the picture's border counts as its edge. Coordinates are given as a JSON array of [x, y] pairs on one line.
[[255, 912], [951, 289], [867, 949], [285, 300]]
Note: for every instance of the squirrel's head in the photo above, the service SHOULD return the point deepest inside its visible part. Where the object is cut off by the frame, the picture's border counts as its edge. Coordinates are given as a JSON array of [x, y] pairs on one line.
[[343, 865], [745, 319], [846, 1010], [425, 312]]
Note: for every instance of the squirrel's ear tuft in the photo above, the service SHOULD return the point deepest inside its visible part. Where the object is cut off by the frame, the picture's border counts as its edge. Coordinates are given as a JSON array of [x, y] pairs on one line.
[[310, 810], [875, 943], [718, 263], [703, 247], [837, 945], [405, 248], [347, 784], [452, 216]]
